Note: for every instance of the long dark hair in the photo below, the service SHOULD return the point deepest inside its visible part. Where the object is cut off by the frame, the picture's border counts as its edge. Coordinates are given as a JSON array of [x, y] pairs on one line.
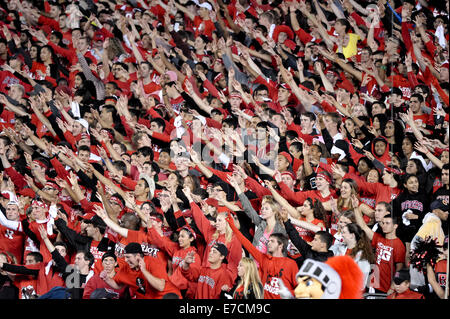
[[55, 67], [362, 243], [319, 211]]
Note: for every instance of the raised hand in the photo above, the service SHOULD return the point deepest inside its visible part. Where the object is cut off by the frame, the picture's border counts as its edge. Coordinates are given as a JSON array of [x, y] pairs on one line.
[[419, 146], [102, 152], [29, 180], [357, 143], [240, 171], [337, 170], [256, 161], [190, 257], [369, 155], [233, 182], [43, 232], [100, 212], [195, 157], [355, 201]]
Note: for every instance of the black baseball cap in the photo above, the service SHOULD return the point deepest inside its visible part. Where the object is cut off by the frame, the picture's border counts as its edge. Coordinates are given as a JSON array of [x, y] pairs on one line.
[[133, 248], [96, 221], [222, 250], [401, 276], [439, 204]]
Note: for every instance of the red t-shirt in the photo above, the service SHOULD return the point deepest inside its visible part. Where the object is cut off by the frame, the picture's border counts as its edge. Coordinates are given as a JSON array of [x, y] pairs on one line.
[[234, 246], [306, 234], [28, 286], [299, 197], [95, 282], [408, 294], [388, 253], [205, 27], [271, 269], [156, 261], [124, 86], [12, 241], [178, 254]]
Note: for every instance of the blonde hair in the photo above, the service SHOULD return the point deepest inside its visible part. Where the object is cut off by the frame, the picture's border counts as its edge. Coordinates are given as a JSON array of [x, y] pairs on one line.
[[228, 231], [354, 189], [274, 205], [251, 278]]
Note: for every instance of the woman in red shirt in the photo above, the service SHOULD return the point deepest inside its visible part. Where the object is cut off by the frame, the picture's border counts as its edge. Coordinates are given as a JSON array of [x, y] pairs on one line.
[[178, 252], [47, 66], [220, 232]]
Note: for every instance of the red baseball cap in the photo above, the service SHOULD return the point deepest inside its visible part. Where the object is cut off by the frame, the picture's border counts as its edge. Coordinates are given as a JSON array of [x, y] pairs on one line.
[[287, 156]]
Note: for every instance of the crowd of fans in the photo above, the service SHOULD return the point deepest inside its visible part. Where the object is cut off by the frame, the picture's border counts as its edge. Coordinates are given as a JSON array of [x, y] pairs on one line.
[[198, 149]]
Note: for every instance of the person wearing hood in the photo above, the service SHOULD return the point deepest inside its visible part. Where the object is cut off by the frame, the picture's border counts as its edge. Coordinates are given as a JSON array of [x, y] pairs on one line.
[[380, 150]]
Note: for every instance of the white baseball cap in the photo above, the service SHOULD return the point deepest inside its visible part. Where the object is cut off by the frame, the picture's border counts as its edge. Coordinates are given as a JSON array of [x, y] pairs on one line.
[[205, 5]]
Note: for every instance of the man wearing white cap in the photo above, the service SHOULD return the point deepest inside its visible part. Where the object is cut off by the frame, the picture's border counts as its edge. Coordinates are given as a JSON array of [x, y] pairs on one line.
[[12, 237], [202, 21]]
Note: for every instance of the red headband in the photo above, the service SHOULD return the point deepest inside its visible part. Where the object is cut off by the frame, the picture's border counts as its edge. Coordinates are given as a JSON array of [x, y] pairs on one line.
[[39, 204], [218, 77], [156, 218], [235, 95], [325, 177], [117, 201], [188, 229], [52, 185], [40, 163]]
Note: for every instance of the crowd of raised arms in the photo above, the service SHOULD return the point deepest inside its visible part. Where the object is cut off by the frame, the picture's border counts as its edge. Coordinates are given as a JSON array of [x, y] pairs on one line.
[[192, 149]]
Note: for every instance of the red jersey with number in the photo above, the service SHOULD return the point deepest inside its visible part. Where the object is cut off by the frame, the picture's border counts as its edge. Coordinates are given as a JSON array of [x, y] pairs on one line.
[[388, 253], [12, 241]]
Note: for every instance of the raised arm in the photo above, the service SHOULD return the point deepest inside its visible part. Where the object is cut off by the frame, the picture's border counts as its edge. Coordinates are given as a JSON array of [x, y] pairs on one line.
[[283, 202], [257, 255], [100, 212], [248, 208], [359, 218], [185, 11]]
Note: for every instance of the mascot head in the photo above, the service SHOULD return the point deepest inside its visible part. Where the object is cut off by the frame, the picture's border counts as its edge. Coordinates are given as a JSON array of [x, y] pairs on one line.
[[338, 278]]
